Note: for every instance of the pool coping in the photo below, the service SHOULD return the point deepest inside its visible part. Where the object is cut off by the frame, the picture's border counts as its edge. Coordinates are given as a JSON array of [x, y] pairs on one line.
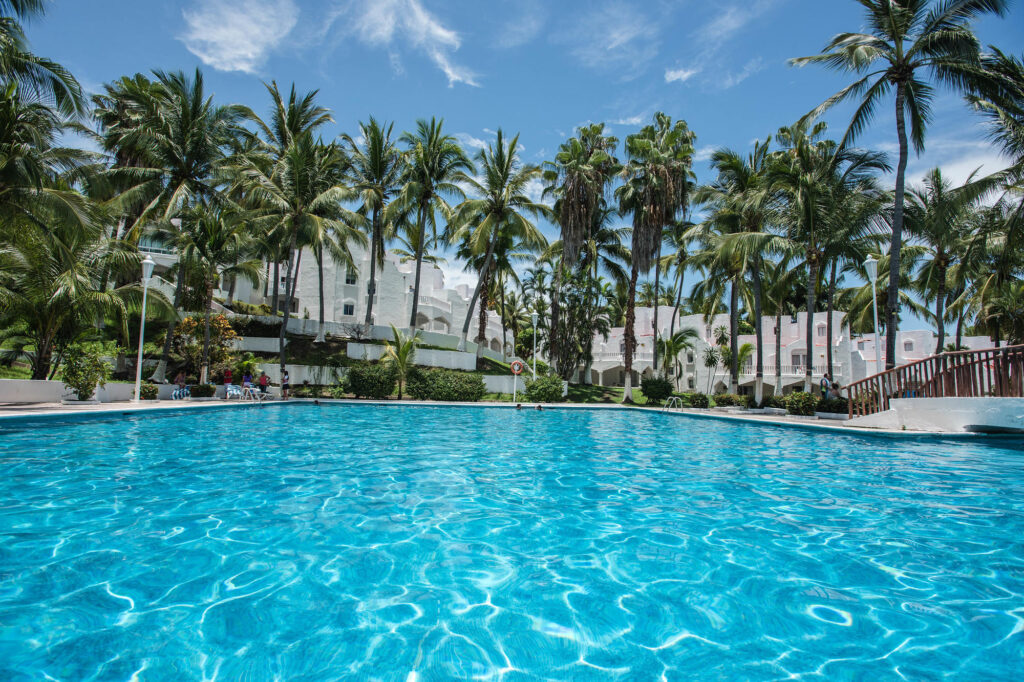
[[106, 410]]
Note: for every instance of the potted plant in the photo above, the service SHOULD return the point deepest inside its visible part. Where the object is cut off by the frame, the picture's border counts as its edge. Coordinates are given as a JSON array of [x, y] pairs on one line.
[[83, 370], [203, 392], [148, 392]]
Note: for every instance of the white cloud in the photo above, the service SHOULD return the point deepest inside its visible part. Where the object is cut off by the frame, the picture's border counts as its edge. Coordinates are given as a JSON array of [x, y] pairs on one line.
[[535, 190], [454, 275], [704, 153], [749, 69], [631, 121], [680, 75], [237, 35], [394, 23], [614, 37], [467, 140], [524, 27]]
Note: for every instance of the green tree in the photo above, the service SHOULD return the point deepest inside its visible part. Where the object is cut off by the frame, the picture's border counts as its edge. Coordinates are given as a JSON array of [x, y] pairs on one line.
[[906, 42], [399, 353]]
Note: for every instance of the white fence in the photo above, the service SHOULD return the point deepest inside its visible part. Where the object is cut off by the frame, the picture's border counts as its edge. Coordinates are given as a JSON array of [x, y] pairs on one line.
[[426, 357]]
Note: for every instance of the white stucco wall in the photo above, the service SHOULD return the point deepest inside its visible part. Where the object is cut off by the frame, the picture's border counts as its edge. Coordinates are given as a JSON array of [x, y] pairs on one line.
[[425, 357], [958, 414]]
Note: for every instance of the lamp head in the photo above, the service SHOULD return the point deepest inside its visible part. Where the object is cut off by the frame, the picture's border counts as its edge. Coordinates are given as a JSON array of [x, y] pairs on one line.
[[533, 319], [871, 266], [147, 268]]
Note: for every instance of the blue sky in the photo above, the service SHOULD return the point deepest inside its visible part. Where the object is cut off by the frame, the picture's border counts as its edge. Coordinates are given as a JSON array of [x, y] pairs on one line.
[[528, 66]]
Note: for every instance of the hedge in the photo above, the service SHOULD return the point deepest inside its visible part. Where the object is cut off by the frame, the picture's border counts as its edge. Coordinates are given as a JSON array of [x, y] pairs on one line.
[[699, 400], [802, 403], [544, 390], [376, 381], [655, 389], [834, 406], [444, 385], [202, 390]]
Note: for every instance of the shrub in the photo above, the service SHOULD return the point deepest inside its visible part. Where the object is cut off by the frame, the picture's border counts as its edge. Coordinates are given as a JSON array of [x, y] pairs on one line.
[[376, 381], [84, 370], [148, 392], [544, 390], [834, 405], [656, 389], [801, 403], [203, 390], [730, 400], [336, 392], [699, 400], [444, 385], [776, 401]]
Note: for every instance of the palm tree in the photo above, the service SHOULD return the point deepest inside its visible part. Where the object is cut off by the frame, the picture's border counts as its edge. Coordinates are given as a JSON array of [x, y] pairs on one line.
[[300, 196], [578, 177], [808, 170], [434, 161], [674, 344], [399, 353], [712, 358], [938, 215], [655, 191], [215, 242], [375, 175], [906, 40], [48, 291], [782, 296], [497, 212], [178, 140], [45, 81]]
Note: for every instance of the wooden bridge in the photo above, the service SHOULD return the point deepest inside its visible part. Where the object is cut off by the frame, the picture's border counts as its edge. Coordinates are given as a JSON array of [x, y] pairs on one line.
[[994, 372]]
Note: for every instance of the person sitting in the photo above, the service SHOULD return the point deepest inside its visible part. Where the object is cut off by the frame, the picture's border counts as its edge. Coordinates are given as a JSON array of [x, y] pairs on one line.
[[181, 392], [264, 382], [826, 385]]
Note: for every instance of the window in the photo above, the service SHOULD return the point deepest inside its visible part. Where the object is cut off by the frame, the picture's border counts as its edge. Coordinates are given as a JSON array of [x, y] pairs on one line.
[[908, 346], [622, 347], [689, 382], [821, 330], [689, 358], [861, 345], [350, 276], [349, 309]]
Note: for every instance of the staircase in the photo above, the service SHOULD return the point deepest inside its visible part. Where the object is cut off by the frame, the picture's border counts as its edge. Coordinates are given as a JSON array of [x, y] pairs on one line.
[[994, 372]]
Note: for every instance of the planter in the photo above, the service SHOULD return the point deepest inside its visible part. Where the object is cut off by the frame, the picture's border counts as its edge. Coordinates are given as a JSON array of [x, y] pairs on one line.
[[76, 401], [775, 410], [838, 416]]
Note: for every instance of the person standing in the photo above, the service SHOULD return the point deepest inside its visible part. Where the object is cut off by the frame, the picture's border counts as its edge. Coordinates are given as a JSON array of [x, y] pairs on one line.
[[264, 382], [826, 385], [228, 376], [285, 385]]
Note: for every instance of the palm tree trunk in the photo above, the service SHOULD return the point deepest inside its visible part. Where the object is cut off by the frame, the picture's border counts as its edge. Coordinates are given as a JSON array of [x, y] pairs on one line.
[[266, 280], [160, 375], [231, 291], [320, 280], [734, 323], [759, 333], [419, 265], [555, 322], [959, 328], [940, 314], [828, 320], [778, 351], [205, 367], [630, 335], [371, 288], [277, 285], [892, 312], [679, 298], [476, 293], [812, 264], [485, 299], [504, 334], [657, 300], [289, 290]]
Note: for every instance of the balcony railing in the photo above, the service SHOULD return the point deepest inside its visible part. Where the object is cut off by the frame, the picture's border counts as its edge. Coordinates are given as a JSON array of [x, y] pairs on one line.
[[792, 370]]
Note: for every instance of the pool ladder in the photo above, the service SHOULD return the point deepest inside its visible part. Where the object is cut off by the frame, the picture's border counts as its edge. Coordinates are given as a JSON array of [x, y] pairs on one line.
[[675, 401]]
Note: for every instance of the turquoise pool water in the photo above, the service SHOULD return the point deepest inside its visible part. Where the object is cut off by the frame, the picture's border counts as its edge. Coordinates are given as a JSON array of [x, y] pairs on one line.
[[416, 543]]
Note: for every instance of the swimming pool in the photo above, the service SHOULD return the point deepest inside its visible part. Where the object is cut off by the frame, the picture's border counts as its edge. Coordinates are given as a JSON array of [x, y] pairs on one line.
[[419, 543]]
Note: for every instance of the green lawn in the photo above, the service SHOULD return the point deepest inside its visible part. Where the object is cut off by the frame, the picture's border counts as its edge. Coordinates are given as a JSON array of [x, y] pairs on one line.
[[587, 394]]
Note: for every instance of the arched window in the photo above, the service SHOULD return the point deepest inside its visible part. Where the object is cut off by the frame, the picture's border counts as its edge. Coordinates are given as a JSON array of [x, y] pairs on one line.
[[908, 346]]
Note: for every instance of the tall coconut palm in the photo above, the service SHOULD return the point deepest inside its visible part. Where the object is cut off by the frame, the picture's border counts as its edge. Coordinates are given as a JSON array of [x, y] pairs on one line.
[[578, 179], [301, 195], [375, 174], [655, 191], [433, 163], [907, 41], [179, 139], [808, 170], [498, 211]]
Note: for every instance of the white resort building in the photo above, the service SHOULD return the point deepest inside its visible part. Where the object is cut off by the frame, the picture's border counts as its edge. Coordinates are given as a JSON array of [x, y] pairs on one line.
[[443, 310]]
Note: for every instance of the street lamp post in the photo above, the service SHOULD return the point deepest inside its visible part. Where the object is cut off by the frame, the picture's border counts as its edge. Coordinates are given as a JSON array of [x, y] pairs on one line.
[[533, 321], [871, 266], [147, 274]]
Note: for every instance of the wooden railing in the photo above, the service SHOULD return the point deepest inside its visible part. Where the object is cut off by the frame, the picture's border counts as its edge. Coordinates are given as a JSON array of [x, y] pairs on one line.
[[996, 372]]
